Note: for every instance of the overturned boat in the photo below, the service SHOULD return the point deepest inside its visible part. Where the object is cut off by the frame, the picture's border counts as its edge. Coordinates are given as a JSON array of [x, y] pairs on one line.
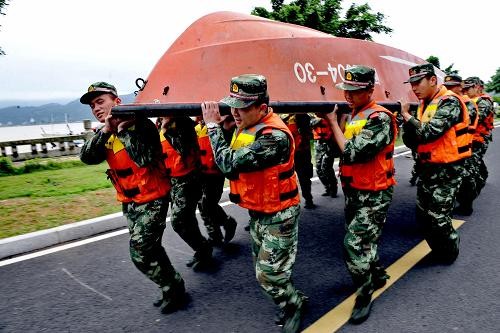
[[301, 65]]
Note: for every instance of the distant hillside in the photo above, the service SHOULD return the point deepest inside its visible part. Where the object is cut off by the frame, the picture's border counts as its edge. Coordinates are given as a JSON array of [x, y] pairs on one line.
[[49, 113]]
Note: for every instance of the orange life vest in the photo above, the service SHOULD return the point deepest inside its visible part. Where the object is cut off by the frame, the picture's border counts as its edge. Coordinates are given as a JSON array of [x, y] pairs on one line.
[[486, 125], [207, 158], [469, 103], [297, 137], [177, 166], [268, 190], [133, 183], [322, 130], [378, 173], [454, 144]]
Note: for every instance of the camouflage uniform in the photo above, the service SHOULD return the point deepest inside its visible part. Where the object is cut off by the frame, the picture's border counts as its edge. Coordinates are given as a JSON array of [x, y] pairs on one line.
[[274, 235], [214, 217], [366, 211], [439, 183], [325, 152], [469, 188], [186, 192], [485, 108], [146, 222], [302, 156]]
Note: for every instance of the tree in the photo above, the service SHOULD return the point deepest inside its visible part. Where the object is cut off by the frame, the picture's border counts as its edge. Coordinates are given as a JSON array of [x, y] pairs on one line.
[[494, 84], [3, 3], [433, 60], [450, 70], [324, 15]]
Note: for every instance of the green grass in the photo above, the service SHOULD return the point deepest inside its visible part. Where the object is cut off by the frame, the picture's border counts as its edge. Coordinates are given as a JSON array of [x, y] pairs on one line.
[[50, 198], [51, 183]]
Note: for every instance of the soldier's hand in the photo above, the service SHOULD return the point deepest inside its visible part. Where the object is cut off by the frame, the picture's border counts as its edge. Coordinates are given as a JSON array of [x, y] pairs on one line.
[[210, 111], [124, 123], [110, 124], [405, 108], [332, 116]]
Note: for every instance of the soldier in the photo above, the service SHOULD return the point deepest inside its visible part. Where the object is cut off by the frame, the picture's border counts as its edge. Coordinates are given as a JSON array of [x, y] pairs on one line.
[[132, 149], [182, 160], [367, 177], [212, 186], [441, 133], [299, 125], [259, 164], [325, 152], [468, 190], [483, 135]]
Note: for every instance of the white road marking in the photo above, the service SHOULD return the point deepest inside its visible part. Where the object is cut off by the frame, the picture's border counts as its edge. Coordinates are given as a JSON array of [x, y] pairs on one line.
[[85, 285]]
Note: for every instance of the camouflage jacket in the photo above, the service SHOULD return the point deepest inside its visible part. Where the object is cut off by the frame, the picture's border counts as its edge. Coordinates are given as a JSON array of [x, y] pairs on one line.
[[448, 114], [141, 141], [375, 136], [485, 107]]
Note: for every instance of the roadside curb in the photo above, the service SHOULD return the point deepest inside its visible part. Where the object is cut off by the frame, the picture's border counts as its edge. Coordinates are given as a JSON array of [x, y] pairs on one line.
[[39, 240], [44, 238]]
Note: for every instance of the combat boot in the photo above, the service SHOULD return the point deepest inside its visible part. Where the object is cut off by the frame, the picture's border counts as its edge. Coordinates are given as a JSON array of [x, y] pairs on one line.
[[309, 204], [215, 237], [174, 299], [292, 317], [280, 316], [230, 229], [202, 259], [361, 310], [333, 191]]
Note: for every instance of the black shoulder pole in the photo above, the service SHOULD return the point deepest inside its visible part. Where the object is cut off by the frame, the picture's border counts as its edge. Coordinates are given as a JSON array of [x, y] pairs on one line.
[[194, 109]]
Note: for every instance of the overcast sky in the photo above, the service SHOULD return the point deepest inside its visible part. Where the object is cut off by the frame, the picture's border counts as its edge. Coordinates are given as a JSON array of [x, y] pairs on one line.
[[56, 48]]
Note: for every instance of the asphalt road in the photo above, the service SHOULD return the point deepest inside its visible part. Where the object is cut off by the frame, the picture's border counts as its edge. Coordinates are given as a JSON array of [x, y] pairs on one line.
[[96, 288]]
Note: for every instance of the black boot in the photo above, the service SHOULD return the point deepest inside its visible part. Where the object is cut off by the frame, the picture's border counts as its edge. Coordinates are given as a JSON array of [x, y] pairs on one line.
[[292, 317], [361, 310], [230, 229], [202, 259], [309, 204], [173, 300]]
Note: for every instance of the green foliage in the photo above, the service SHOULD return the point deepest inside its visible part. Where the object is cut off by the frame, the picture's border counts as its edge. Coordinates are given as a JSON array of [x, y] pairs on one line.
[[433, 60], [494, 84], [450, 70], [6, 167], [324, 15], [34, 165]]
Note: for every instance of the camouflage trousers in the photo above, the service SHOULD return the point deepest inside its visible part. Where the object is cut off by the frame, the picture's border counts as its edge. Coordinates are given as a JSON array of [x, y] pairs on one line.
[[146, 223], [416, 167], [365, 214], [214, 217], [479, 150], [184, 195], [324, 158], [304, 169], [436, 192], [471, 181], [274, 248]]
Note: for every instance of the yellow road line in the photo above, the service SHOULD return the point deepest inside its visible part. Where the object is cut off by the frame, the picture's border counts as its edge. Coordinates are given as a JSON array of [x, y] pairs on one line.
[[338, 316]]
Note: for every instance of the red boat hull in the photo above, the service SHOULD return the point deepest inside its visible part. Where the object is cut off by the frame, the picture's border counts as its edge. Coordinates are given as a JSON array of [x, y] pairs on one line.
[[301, 64]]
